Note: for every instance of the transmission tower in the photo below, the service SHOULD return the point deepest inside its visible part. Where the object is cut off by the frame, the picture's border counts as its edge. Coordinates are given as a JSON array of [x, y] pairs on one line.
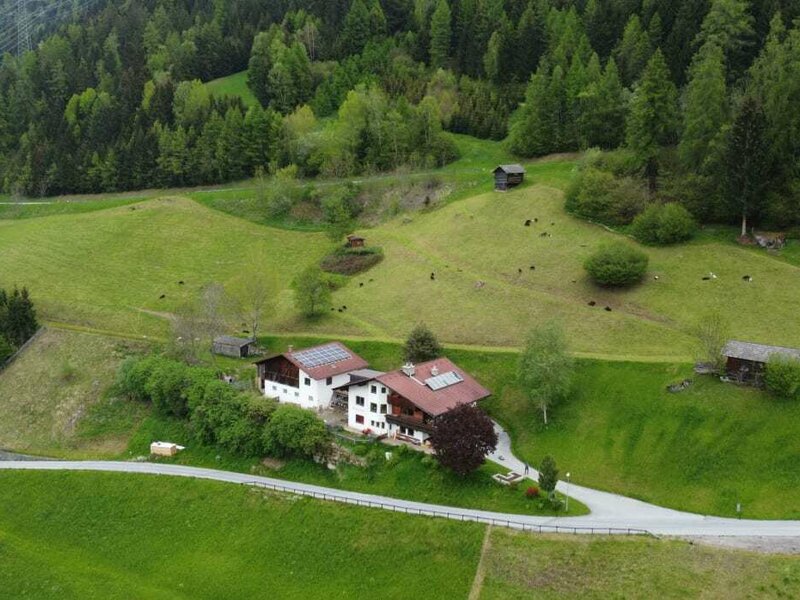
[[23, 28]]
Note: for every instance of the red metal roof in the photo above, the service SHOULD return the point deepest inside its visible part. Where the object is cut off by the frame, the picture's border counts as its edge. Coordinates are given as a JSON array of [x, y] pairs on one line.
[[325, 360], [435, 402]]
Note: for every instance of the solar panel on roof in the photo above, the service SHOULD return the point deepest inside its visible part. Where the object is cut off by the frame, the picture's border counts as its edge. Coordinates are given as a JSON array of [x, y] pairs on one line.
[[444, 380], [323, 355]]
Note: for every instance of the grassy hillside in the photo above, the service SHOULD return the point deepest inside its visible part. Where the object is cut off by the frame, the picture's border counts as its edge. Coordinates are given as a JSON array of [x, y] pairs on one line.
[[49, 396], [95, 535], [83, 535], [521, 566], [476, 247], [483, 239], [233, 85], [108, 269]]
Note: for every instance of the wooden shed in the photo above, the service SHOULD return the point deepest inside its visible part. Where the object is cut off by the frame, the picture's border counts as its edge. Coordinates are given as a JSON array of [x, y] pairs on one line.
[[508, 176], [355, 241], [745, 362], [235, 347]]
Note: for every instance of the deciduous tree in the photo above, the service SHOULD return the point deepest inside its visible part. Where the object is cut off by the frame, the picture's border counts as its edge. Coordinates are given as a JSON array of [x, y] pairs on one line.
[[462, 438], [545, 369]]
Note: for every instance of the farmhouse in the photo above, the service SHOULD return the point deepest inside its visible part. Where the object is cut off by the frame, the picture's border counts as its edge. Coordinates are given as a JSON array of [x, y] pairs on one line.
[[508, 176], [233, 346], [404, 404], [746, 362], [308, 377]]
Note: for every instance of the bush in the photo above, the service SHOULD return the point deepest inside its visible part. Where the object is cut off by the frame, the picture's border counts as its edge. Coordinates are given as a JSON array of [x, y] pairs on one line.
[[783, 377], [616, 265], [664, 224], [421, 345], [532, 492], [293, 431], [351, 261], [600, 196]]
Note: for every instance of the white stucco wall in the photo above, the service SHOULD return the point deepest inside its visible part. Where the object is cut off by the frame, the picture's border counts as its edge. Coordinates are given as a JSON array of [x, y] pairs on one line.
[[311, 393], [373, 420]]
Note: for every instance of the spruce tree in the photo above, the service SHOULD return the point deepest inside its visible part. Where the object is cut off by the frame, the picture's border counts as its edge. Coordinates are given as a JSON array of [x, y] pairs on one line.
[[421, 345], [653, 117], [441, 35], [356, 30], [633, 51], [747, 161], [532, 131], [705, 110]]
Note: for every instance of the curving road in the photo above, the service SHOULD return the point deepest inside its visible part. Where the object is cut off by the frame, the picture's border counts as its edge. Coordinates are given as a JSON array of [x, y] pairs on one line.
[[608, 510]]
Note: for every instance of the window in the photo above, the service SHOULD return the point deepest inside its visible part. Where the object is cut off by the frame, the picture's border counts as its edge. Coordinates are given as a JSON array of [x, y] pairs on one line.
[[297, 394], [307, 381], [374, 389], [383, 390], [360, 419], [408, 412], [274, 387], [373, 407], [359, 401], [383, 409], [329, 381], [410, 431], [311, 399]]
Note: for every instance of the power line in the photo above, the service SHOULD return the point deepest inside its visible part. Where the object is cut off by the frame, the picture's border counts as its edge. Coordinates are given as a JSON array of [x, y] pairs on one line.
[[25, 22], [23, 28]]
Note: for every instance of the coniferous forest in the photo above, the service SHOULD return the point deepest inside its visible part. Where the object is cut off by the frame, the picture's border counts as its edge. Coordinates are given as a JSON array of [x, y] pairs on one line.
[[689, 101]]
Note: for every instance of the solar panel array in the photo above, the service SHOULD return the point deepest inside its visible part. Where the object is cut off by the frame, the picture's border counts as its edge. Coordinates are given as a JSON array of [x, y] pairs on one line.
[[444, 380], [324, 355]]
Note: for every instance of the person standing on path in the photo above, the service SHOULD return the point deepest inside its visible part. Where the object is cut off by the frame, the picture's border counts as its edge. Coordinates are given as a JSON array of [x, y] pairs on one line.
[[527, 468]]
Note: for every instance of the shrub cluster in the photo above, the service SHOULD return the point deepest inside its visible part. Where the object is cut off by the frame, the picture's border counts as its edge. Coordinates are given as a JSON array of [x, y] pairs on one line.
[[664, 224], [240, 422], [602, 197], [351, 261], [783, 377], [617, 265]]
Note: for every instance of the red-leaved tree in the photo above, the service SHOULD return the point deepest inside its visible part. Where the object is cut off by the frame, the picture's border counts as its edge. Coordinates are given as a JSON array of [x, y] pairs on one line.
[[462, 438]]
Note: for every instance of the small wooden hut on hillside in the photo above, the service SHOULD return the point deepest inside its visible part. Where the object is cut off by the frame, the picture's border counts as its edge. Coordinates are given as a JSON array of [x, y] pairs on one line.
[[746, 362], [508, 176], [226, 345]]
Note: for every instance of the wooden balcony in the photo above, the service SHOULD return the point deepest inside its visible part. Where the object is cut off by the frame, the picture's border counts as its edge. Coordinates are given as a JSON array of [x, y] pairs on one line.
[[412, 422]]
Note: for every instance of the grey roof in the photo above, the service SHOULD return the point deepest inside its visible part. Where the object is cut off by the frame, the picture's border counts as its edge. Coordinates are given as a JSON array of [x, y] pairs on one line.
[[515, 168], [757, 352], [233, 341], [361, 376]]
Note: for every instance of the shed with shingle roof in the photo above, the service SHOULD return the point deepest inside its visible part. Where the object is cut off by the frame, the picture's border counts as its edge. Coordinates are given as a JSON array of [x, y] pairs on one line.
[[746, 361], [508, 176]]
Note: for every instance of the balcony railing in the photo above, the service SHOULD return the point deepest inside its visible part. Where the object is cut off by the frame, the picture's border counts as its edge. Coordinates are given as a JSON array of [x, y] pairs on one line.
[[280, 379]]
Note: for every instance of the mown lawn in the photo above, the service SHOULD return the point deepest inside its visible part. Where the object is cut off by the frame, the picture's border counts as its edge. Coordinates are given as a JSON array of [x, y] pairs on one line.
[[524, 566], [408, 475], [92, 535], [49, 397], [10, 210]]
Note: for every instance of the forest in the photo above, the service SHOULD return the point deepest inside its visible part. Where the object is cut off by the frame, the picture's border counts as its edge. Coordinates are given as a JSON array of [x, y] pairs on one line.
[[689, 101]]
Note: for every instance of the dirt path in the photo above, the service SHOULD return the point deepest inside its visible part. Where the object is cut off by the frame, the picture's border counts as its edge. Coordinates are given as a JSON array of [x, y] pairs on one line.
[[480, 572]]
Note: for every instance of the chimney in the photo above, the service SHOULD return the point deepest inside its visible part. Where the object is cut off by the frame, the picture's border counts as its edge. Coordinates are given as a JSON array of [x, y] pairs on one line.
[[409, 369], [434, 371]]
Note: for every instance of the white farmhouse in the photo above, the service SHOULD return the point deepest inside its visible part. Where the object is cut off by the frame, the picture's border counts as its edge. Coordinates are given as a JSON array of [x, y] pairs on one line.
[[404, 404], [308, 377]]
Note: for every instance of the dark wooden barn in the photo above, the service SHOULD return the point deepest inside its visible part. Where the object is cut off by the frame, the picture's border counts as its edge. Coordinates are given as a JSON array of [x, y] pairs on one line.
[[355, 241], [233, 346], [746, 362], [508, 176]]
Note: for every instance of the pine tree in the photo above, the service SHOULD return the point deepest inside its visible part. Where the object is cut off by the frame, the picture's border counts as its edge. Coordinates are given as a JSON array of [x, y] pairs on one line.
[[653, 117], [729, 25], [441, 35], [747, 163], [531, 39], [633, 51], [532, 131], [705, 110], [356, 30]]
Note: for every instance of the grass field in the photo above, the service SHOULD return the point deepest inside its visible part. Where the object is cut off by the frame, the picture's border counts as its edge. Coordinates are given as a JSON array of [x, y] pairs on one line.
[[104, 535], [521, 566], [32, 209], [81, 535], [233, 85], [48, 396]]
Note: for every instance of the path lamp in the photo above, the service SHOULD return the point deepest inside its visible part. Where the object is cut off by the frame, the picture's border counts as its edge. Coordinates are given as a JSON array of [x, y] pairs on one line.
[[568, 476]]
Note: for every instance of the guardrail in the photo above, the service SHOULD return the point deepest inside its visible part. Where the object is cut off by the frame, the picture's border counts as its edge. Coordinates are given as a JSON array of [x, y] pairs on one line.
[[455, 516]]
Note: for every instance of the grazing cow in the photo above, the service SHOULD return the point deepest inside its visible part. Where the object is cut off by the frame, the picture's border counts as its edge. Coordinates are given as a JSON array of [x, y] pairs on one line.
[[608, 309], [162, 296], [533, 267], [433, 276], [747, 278], [528, 223], [592, 302], [519, 271]]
